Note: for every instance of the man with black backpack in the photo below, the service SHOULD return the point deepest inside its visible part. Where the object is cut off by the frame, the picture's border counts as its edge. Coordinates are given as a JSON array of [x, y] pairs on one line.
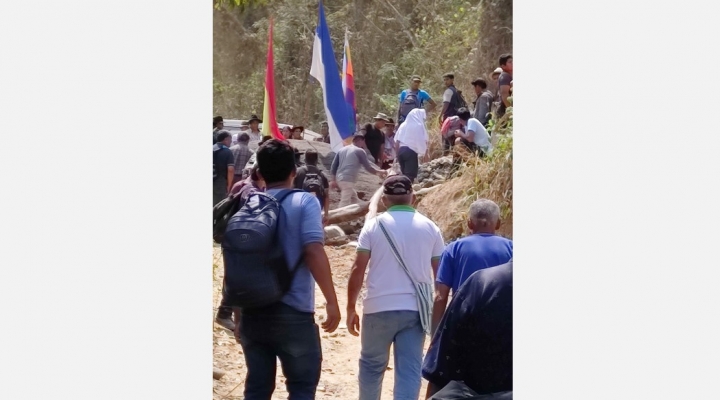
[[310, 179], [413, 98], [452, 98], [273, 254]]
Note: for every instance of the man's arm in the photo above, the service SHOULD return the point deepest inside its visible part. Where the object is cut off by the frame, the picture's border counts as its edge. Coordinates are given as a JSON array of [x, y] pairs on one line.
[[432, 107], [298, 181], [481, 108], [447, 98], [319, 266], [326, 199], [504, 94], [368, 166], [230, 176], [334, 166], [442, 292], [357, 274]]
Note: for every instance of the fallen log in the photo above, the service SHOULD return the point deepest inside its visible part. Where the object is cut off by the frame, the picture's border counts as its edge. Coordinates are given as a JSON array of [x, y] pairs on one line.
[[348, 213], [423, 192]]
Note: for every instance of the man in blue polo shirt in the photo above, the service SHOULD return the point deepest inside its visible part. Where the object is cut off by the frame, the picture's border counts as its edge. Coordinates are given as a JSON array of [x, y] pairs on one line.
[[413, 98], [482, 249]]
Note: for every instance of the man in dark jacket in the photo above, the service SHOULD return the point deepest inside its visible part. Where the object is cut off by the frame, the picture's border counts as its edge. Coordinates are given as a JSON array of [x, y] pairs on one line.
[[473, 343]]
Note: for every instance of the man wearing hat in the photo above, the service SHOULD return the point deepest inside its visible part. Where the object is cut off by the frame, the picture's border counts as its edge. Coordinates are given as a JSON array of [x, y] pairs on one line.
[[254, 131], [346, 167], [397, 307], [496, 91], [297, 132], [375, 138], [413, 98]]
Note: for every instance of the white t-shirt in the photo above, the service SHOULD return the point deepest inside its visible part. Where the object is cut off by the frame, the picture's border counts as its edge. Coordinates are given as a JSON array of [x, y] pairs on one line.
[[481, 138], [418, 240], [447, 95]]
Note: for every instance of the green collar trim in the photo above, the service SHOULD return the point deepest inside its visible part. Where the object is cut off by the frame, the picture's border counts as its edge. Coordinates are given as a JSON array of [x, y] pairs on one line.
[[401, 208]]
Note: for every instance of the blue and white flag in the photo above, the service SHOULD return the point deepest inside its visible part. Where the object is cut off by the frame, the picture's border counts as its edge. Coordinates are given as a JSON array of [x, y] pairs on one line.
[[324, 68]]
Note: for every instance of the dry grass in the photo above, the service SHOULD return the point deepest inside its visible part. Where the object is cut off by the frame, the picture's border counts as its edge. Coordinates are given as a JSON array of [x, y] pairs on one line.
[[476, 178]]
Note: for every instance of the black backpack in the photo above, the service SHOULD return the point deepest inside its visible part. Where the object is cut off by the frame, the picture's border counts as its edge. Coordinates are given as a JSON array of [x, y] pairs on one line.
[[222, 212], [456, 102], [411, 102], [313, 183], [256, 271]]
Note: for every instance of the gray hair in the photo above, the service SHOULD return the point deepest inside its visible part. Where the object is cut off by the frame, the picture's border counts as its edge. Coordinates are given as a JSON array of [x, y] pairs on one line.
[[484, 212]]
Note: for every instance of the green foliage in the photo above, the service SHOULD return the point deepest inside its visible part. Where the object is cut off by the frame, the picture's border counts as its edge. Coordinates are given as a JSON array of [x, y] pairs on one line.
[[390, 40]]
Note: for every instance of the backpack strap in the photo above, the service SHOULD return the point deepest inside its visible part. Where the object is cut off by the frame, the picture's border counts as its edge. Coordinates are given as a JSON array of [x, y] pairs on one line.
[[279, 199]]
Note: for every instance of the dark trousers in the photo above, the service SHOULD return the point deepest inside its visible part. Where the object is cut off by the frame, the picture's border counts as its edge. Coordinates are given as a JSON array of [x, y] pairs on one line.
[[408, 160], [280, 331], [219, 190]]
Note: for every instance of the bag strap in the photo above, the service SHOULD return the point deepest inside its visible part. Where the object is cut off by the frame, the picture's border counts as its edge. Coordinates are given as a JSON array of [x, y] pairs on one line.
[[396, 252], [279, 199]]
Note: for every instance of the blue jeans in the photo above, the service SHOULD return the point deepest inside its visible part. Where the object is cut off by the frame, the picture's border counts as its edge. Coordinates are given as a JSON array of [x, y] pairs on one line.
[[378, 332], [280, 331]]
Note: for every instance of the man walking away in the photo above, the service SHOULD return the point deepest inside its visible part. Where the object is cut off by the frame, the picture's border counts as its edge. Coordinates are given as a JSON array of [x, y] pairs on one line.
[[413, 98], [374, 137], [452, 99], [217, 126], [482, 249], [223, 166], [474, 342], [346, 167], [241, 154], [287, 329], [402, 248], [412, 139], [310, 179], [483, 103], [506, 63], [243, 189]]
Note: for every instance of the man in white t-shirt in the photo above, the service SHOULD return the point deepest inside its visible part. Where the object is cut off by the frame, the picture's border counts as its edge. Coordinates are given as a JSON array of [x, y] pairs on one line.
[[475, 136], [391, 315]]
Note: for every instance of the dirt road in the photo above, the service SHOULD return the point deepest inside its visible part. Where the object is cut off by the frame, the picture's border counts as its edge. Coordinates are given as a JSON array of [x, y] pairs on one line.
[[340, 349]]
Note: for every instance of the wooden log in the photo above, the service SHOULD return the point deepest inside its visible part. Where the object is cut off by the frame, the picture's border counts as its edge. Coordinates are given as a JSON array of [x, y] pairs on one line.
[[348, 213]]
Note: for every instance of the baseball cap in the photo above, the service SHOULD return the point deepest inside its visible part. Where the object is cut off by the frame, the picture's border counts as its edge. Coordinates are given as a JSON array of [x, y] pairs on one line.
[[397, 185], [416, 78]]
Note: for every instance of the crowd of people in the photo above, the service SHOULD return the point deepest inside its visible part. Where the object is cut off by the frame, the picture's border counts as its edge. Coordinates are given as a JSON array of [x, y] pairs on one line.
[[412, 274]]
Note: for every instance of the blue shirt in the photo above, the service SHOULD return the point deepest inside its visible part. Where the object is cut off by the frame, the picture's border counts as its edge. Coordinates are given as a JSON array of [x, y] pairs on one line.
[[300, 225], [423, 96], [472, 253]]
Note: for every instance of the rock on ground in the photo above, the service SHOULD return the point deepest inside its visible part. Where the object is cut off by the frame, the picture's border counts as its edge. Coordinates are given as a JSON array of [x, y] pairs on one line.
[[333, 232]]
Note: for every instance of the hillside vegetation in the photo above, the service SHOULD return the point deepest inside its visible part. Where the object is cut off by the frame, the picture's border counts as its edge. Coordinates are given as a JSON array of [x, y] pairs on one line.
[[390, 40]]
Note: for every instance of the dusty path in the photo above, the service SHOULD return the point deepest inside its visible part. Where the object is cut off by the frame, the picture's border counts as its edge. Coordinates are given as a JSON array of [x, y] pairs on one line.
[[340, 349]]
